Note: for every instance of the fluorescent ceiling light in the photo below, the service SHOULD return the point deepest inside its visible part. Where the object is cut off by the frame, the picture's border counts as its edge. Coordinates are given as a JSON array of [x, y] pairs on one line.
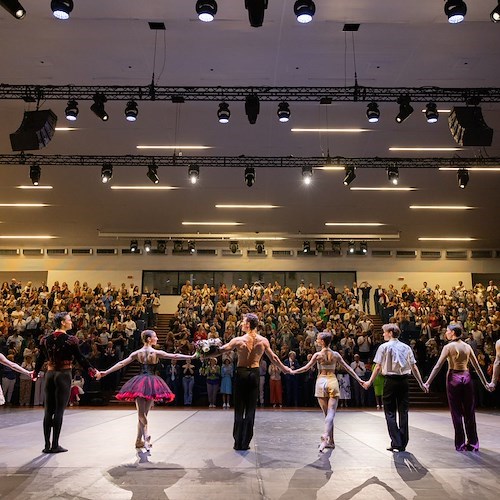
[[26, 237], [212, 224], [332, 130], [475, 169], [425, 149], [34, 187], [65, 129], [267, 238], [329, 167], [354, 224], [446, 239], [383, 189], [247, 206], [24, 205], [150, 188], [441, 207], [173, 147], [439, 110]]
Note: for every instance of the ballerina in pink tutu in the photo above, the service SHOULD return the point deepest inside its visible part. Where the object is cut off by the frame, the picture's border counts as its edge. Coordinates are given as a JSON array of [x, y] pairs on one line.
[[145, 387]]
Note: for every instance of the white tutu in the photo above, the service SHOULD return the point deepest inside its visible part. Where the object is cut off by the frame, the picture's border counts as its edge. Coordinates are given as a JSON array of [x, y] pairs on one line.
[[2, 399]]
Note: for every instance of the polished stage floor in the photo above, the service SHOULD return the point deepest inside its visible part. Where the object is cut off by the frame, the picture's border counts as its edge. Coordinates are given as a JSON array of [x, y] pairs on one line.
[[192, 457]]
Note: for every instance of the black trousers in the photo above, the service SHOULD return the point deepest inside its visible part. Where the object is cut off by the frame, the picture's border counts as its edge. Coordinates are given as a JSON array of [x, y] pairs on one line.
[[57, 391], [246, 392], [396, 406]]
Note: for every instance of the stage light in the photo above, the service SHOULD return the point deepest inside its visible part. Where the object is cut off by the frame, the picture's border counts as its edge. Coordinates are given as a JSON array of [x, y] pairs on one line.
[[320, 246], [161, 246], [372, 112], [250, 176], [131, 111], [206, 10], [191, 246], [363, 246], [223, 113], [153, 173], [405, 109], [393, 175], [106, 173], [259, 246], [304, 10], [14, 8], [463, 178], [233, 246], [134, 246], [71, 110], [256, 10], [495, 13], [98, 107], [193, 173], [455, 10], [337, 247], [35, 173], [431, 112], [307, 173], [350, 247], [350, 175], [306, 247], [61, 9], [147, 246], [252, 107], [283, 112], [177, 246]]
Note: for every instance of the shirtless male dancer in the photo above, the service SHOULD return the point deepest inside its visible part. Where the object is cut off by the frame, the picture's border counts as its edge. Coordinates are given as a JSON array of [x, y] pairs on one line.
[[250, 348]]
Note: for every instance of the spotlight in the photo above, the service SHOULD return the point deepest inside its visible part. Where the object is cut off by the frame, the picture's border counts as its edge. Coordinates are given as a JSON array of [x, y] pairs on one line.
[[405, 109], [131, 111], [134, 246], [455, 10], [463, 178], [206, 10], [252, 107], [283, 112], [337, 247], [223, 113], [363, 246], [250, 176], [320, 246], [350, 247], [307, 173], [350, 175], [431, 112], [233, 246], [35, 173], [259, 246], [393, 175], [106, 173], [372, 112], [14, 8], [177, 246], [495, 13], [98, 106], [71, 110], [161, 246], [61, 9], [304, 10], [256, 10], [147, 246], [153, 173], [193, 173], [191, 246], [306, 247]]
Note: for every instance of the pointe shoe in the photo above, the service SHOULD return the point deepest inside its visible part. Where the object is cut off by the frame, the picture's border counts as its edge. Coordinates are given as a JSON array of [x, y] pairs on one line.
[[139, 443], [147, 443]]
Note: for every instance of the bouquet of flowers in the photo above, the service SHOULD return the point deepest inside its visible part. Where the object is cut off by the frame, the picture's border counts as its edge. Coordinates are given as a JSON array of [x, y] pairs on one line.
[[206, 347]]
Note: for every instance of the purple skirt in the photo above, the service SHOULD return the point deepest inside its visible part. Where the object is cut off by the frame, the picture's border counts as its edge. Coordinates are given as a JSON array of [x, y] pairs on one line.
[[145, 386]]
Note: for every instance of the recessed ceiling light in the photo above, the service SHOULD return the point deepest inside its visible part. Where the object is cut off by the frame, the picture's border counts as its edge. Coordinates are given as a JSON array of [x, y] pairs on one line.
[[247, 206], [34, 187], [441, 207], [24, 205], [425, 149], [470, 169], [354, 224], [446, 239], [383, 189], [332, 130], [172, 147], [150, 188], [26, 237], [212, 224]]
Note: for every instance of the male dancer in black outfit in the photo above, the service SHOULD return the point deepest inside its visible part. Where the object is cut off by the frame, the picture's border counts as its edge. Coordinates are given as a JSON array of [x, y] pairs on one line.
[[58, 349]]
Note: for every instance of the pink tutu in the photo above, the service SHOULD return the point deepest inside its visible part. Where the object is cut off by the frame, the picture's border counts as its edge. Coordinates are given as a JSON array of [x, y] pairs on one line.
[[145, 386]]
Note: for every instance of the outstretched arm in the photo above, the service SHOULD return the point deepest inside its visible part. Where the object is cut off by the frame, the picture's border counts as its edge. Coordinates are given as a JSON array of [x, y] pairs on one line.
[[496, 367], [375, 372], [274, 359], [348, 369], [416, 374], [117, 366], [169, 355], [304, 368], [13, 366], [437, 366], [477, 367]]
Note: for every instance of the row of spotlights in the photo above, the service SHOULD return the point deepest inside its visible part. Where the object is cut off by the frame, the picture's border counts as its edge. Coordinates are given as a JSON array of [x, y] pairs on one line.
[[71, 111], [405, 110], [161, 246], [456, 11]]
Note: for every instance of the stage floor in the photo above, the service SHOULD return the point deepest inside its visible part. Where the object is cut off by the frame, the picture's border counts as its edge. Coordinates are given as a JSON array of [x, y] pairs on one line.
[[192, 457]]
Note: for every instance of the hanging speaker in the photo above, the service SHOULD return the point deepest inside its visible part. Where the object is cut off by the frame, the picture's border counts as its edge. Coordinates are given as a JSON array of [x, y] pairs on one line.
[[468, 128], [35, 132]]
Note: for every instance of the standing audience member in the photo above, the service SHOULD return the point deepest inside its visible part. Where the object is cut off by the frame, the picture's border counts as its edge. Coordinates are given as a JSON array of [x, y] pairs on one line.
[[262, 380], [10, 367], [25, 382], [188, 382], [275, 386], [226, 386], [358, 392]]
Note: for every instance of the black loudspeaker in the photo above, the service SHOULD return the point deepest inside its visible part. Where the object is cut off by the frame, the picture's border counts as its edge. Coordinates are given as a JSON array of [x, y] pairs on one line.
[[468, 128], [35, 132]]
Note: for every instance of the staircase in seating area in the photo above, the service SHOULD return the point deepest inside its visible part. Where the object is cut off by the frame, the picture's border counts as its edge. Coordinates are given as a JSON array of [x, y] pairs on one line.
[[162, 328], [418, 398]]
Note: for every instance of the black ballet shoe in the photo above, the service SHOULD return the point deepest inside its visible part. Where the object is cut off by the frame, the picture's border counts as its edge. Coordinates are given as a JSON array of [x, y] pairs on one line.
[[58, 449], [46, 450]]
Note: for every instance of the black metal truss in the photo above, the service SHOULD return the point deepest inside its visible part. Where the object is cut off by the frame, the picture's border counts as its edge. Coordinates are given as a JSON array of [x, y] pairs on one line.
[[322, 95], [243, 161]]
